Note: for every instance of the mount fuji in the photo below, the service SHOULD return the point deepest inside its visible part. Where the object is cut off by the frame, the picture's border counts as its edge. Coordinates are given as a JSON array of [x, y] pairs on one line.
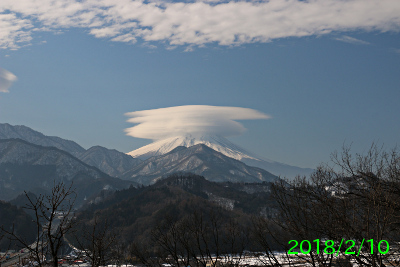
[[218, 143], [222, 145]]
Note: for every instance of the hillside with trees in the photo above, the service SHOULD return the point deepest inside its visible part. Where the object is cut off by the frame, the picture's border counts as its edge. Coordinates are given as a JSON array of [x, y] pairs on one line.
[[17, 220], [345, 212], [134, 212]]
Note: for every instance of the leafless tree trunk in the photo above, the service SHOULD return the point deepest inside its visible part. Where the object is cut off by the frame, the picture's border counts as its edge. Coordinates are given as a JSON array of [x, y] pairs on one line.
[[118, 251], [98, 243], [356, 199], [52, 215], [195, 240], [3, 257]]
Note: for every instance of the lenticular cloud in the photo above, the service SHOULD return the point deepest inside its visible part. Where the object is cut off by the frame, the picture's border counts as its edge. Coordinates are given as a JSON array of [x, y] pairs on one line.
[[6, 79], [195, 120]]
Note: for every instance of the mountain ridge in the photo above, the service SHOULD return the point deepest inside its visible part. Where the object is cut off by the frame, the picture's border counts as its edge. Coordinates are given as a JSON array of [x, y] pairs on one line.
[[198, 159], [7, 155], [30, 167], [8, 131], [110, 161], [135, 211], [216, 142], [117, 164], [222, 145]]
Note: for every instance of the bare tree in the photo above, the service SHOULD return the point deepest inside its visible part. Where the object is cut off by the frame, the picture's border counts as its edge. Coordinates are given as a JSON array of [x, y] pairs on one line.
[[3, 257], [199, 239], [295, 221], [119, 253], [98, 243], [52, 216], [357, 199]]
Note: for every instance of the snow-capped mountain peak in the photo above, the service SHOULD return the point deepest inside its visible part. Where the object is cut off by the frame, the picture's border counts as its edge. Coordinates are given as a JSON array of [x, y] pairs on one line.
[[218, 143], [222, 145]]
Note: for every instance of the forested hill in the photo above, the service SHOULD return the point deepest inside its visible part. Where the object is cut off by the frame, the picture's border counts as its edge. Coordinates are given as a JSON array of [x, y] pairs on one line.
[[133, 212], [11, 216]]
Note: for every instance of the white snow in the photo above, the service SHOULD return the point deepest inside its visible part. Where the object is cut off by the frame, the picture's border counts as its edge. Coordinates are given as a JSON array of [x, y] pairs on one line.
[[222, 145], [218, 143]]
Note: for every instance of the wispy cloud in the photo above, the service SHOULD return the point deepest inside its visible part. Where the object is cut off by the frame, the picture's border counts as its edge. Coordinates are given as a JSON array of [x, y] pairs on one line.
[[351, 40], [196, 120], [6, 80], [196, 23]]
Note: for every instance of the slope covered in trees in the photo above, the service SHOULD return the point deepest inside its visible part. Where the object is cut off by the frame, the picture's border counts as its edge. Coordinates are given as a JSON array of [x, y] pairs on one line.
[[134, 212], [13, 218]]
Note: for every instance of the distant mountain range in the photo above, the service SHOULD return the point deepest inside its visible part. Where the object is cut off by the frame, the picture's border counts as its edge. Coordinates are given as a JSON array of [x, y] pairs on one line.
[[214, 157], [28, 167], [110, 161], [8, 131]]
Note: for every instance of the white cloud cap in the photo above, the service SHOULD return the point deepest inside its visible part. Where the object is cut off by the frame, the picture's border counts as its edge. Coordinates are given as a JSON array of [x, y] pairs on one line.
[[6, 80], [195, 120]]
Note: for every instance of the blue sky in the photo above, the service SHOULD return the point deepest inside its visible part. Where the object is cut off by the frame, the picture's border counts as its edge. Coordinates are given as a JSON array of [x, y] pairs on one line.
[[328, 72]]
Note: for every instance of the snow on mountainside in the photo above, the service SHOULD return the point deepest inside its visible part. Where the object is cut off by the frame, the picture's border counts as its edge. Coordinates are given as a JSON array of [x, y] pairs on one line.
[[110, 161], [218, 143], [28, 167], [8, 131], [222, 145], [201, 160], [17, 151], [117, 163]]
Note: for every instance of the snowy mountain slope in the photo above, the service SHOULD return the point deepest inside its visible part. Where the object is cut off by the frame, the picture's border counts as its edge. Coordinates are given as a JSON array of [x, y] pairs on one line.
[[218, 143], [222, 145], [110, 161], [8, 131], [201, 160], [28, 167], [17, 151]]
